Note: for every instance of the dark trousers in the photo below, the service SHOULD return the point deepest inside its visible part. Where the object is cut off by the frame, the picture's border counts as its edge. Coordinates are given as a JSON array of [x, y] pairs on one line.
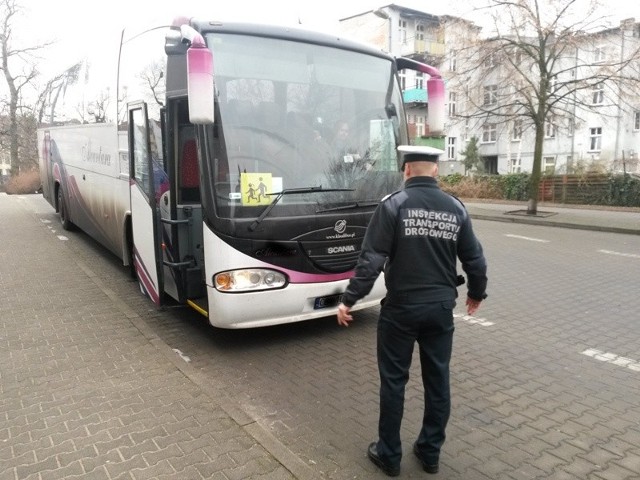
[[399, 327]]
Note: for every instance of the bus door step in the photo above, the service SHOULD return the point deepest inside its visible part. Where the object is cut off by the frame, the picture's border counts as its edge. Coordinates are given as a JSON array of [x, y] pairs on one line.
[[200, 305]]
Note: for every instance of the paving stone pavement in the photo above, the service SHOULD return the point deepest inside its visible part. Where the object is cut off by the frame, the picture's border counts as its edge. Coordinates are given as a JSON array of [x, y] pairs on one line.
[[88, 391], [90, 388]]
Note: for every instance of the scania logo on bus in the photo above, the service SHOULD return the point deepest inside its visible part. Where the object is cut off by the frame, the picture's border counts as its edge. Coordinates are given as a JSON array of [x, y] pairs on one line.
[[340, 226], [341, 249]]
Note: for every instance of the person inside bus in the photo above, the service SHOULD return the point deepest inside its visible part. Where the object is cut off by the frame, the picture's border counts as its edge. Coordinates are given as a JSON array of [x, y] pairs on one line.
[[350, 163], [342, 139]]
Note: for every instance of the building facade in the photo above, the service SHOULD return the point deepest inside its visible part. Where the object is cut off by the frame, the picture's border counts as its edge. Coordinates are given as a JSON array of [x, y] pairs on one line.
[[601, 134]]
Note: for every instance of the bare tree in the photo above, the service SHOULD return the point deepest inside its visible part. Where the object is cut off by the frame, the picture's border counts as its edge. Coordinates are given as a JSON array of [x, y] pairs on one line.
[[19, 71], [152, 78], [545, 65], [54, 90], [99, 106]]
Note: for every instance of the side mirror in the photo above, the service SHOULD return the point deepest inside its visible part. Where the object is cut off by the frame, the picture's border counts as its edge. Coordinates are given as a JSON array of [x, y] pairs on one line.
[[435, 113], [200, 88], [435, 92]]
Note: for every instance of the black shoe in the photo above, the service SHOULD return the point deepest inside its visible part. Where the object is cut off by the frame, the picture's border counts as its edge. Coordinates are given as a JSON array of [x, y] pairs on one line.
[[427, 467], [372, 453]]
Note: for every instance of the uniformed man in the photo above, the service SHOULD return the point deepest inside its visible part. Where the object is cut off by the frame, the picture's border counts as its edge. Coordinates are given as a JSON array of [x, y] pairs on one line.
[[416, 235]]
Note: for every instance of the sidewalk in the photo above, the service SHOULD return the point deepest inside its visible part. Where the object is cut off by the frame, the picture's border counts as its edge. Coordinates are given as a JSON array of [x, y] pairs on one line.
[[87, 388], [605, 219]]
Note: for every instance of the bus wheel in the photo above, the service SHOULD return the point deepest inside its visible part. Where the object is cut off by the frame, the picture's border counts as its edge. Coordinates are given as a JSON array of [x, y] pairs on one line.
[[132, 268], [63, 211]]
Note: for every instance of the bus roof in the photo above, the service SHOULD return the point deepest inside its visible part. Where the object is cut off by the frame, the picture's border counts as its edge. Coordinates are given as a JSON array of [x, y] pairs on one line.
[[284, 32]]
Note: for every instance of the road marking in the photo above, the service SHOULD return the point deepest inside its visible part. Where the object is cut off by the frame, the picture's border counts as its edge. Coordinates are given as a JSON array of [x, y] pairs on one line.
[[531, 239], [620, 254], [613, 359], [473, 320]]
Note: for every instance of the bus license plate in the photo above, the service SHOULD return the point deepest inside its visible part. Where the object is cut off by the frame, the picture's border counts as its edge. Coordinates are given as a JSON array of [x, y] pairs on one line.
[[327, 301]]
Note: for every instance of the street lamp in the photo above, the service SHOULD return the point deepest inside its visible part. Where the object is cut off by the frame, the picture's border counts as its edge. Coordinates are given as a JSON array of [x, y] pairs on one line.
[[379, 12]]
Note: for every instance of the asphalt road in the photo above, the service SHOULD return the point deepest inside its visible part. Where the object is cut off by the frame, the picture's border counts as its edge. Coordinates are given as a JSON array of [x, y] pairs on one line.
[[545, 378]]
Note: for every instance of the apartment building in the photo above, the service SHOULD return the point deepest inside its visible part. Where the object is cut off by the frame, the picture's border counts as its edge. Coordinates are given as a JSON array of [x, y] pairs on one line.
[[602, 132]]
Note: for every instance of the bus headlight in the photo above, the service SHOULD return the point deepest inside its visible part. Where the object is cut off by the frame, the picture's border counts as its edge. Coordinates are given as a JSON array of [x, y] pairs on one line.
[[248, 280]]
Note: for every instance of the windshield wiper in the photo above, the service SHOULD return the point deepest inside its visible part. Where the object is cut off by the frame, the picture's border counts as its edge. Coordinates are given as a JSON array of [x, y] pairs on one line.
[[348, 207], [291, 191]]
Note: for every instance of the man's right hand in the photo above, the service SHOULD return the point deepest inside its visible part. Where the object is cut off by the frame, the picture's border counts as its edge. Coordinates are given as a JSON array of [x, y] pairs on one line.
[[344, 317]]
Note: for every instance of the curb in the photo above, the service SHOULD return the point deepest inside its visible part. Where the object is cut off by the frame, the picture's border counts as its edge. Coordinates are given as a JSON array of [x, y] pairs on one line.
[[575, 226]]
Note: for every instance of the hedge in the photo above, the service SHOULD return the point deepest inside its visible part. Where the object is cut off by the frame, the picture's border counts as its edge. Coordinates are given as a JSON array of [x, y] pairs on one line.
[[606, 190]]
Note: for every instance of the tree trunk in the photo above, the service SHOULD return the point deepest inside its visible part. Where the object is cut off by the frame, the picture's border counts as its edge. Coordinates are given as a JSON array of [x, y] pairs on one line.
[[534, 184], [13, 134]]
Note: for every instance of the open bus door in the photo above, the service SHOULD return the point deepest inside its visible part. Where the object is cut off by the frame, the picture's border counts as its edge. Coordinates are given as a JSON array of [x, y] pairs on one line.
[[147, 256]]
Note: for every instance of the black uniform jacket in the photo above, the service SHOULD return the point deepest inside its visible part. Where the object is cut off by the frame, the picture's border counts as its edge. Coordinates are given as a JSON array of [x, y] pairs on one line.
[[416, 235]]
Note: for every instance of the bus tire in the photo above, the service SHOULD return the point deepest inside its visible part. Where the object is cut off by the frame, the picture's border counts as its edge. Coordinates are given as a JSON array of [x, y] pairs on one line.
[[129, 239], [66, 222]]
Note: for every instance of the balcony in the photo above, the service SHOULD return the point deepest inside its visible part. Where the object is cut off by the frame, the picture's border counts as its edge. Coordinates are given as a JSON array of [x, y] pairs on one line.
[[414, 96], [425, 48]]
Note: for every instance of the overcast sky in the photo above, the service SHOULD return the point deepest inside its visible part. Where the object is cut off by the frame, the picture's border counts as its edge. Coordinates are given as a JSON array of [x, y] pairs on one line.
[[80, 25], [60, 18]]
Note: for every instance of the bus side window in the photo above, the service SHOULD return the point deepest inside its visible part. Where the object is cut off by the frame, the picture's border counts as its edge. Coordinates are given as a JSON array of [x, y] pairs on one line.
[[189, 172]]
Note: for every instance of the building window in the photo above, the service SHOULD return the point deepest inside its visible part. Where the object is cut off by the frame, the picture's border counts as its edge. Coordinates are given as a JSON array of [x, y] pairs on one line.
[[452, 104], [598, 94], [453, 61], [419, 80], [518, 57], [420, 31], [516, 133], [403, 80], [515, 165], [490, 95], [548, 165], [402, 31], [595, 139], [600, 54], [451, 148], [490, 60], [419, 125], [636, 120], [550, 129], [489, 133]]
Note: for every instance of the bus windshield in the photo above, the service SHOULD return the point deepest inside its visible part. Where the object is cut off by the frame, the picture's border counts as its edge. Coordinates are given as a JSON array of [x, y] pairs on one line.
[[320, 122]]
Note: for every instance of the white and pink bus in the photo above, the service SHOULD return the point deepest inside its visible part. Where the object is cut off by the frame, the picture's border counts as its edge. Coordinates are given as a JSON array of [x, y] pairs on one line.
[[208, 157]]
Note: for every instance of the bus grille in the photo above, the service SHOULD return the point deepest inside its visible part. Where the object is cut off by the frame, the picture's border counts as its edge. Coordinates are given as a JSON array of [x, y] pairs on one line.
[[337, 264], [333, 257]]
